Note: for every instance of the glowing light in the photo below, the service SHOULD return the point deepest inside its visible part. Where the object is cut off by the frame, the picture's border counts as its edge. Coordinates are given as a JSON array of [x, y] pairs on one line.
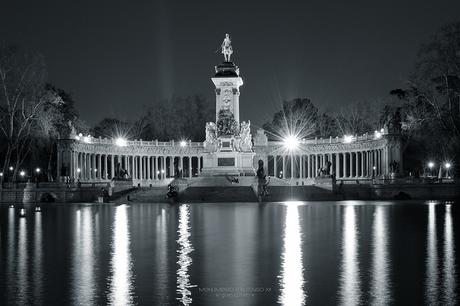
[[432, 273], [350, 292], [377, 134], [447, 165], [348, 138], [162, 171], [291, 142], [11, 168], [1, 174], [183, 143], [87, 139], [78, 170], [184, 260], [121, 142], [38, 170], [380, 291], [77, 137], [449, 276], [121, 281], [95, 170], [374, 167], [22, 173], [291, 277], [430, 165]]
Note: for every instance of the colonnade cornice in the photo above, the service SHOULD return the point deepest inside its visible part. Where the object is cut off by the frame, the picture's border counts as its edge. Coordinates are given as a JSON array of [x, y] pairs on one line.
[[325, 148]]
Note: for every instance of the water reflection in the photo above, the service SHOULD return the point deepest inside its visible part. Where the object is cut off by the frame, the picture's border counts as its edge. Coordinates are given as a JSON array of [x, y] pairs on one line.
[[121, 282], [380, 287], [38, 254], [432, 258], [184, 260], [83, 281], [350, 293], [291, 277], [11, 250], [161, 251], [448, 272], [22, 261]]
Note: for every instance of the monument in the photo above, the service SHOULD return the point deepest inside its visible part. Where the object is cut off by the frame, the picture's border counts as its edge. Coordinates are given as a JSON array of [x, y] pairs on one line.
[[228, 144]]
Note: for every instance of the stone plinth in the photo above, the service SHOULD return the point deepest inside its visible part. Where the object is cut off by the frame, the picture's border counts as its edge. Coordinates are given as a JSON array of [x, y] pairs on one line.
[[228, 163]]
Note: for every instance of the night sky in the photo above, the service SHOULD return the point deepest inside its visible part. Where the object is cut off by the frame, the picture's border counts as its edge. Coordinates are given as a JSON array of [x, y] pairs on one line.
[[118, 56]]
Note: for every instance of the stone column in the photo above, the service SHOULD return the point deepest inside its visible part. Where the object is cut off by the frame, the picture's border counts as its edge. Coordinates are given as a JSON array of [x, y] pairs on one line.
[[164, 167], [189, 166], [199, 165], [284, 166], [99, 166], [148, 167], [180, 166], [292, 166]]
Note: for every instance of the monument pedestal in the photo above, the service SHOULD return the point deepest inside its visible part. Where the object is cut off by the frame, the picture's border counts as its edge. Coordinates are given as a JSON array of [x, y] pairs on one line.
[[228, 163]]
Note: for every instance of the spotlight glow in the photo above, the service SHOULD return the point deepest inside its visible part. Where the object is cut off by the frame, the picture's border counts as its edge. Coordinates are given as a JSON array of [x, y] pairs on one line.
[[121, 142], [430, 165], [38, 170], [87, 139], [183, 143], [291, 142], [348, 138], [377, 135], [22, 173], [447, 165]]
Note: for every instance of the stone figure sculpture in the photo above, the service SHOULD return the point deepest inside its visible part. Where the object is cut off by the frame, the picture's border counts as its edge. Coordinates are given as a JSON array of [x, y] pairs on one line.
[[227, 48], [245, 134], [211, 136]]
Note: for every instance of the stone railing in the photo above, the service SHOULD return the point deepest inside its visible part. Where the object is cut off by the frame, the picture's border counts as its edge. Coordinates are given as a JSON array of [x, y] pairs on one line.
[[153, 143]]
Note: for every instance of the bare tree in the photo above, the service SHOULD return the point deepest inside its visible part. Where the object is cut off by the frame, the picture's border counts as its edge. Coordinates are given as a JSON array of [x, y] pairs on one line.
[[22, 96]]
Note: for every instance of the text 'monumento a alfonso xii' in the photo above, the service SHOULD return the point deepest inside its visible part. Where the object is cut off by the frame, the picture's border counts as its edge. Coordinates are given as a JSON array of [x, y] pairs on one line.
[[228, 141]]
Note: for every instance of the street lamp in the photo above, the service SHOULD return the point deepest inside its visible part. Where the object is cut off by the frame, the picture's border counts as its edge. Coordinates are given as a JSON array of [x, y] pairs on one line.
[[183, 143], [291, 143], [447, 165], [347, 138], [121, 142], [11, 168], [430, 166]]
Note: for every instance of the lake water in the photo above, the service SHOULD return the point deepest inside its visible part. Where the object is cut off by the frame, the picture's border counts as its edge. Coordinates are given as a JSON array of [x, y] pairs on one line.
[[290, 253]]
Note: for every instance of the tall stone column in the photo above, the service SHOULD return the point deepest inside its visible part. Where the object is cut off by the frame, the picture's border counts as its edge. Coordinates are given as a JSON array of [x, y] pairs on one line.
[[292, 166], [180, 166], [352, 166], [88, 166], [156, 167], [301, 166], [99, 166], [148, 167], [274, 166], [141, 168], [199, 165], [189, 166], [284, 166], [163, 167]]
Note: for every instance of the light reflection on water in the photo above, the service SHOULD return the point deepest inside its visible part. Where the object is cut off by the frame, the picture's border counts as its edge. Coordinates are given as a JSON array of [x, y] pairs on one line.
[[291, 276], [350, 292], [449, 275], [22, 264], [432, 274], [183, 259], [93, 256], [380, 287], [38, 257], [121, 281], [83, 281]]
